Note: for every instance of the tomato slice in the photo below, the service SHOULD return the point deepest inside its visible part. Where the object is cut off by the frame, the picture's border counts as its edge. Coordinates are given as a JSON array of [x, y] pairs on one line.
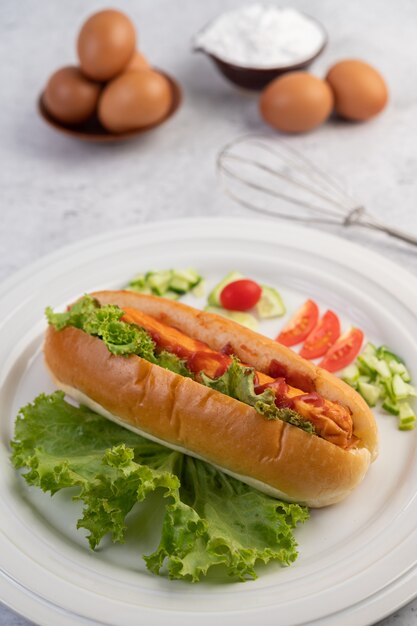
[[322, 337], [240, 295], [344, 351], [300, 325]]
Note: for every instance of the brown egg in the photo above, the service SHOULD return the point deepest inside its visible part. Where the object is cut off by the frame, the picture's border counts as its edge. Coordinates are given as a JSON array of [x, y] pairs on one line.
[[359, 90], [106, 44], [70, 97], [296, 102], [133, 100], [137, 62]]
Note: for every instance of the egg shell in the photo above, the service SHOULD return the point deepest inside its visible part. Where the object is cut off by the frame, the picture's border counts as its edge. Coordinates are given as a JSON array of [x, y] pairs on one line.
[[296, 102], [106, 44], [137, 62], [133, 100], [359, 90], [70, 97]]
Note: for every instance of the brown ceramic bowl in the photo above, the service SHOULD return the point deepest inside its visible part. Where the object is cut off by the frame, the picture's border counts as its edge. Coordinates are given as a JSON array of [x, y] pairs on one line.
[[256, 78], [93, 130]]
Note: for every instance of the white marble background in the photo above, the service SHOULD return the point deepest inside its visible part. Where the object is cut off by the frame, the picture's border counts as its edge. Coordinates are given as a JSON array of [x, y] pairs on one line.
[[54, 190]]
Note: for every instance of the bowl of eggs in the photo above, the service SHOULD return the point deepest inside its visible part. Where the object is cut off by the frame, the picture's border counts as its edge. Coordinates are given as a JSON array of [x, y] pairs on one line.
[[114, 93]]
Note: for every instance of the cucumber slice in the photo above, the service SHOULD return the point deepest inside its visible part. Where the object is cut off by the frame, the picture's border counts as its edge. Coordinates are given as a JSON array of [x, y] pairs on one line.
[[171, 295], [246, 319], [180, 285], [364, 368], [402, 426], [400, 389], [406, 411], [350, 375], [385, 353], [375, 366], [270, 304], [369, 350], [159, 282], [214, 295], [412, 391], [399, 368], [381, 368], [199, 289], [407, 418], [391, 407], [370, 393], [191, 276], [389, 392], [138, 283], [145, 290]]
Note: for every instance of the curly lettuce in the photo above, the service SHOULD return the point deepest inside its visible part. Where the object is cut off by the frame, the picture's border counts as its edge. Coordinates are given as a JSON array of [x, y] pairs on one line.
[[210, 518], [120, 337]]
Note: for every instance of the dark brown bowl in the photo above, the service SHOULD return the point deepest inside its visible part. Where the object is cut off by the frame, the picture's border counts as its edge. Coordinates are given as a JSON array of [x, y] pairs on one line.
[[257, 78], [93, 130]]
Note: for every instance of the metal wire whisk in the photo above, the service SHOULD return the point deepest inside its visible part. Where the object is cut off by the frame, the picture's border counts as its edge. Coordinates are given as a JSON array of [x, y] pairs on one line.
[[267, 175]]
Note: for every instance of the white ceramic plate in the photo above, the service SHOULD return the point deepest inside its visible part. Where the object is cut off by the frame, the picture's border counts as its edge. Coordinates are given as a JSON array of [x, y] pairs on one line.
[[358, 560]]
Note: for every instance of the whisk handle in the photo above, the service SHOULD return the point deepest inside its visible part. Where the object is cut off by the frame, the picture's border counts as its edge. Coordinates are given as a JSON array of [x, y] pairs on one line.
[[358, 215], [392, 232]]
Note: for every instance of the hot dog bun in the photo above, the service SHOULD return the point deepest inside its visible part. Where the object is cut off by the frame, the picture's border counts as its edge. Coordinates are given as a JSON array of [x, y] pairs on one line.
[[273, 456]]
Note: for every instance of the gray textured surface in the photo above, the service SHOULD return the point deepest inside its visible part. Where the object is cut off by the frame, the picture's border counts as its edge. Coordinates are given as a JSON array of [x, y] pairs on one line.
[[55, 190]]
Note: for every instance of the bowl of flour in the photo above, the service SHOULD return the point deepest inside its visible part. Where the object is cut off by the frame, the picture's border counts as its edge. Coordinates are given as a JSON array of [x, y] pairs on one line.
[[254, 44]]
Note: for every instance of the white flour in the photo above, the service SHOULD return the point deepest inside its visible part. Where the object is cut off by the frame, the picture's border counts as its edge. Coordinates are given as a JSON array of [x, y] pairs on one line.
[[262, 36]]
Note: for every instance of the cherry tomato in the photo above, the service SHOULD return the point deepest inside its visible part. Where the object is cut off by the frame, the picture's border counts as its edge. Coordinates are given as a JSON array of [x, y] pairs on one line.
[[240, 295], [322, 337], [300, 325], [344, 351]]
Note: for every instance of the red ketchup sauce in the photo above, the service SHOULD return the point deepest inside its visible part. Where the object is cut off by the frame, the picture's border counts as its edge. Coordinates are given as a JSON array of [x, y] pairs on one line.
[[296, 379], [280, 389]]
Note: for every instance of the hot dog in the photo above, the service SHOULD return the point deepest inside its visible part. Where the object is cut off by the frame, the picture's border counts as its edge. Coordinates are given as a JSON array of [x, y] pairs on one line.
[[237, 399]]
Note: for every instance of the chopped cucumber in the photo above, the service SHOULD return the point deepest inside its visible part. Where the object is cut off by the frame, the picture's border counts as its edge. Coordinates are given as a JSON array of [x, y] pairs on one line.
[[407, 418], [412, 391], [180, 285], [370, 393], [379, 374], [145, 290], [406, 411], [246, 319], [138, 283], [391, 407], [171, 295], [388, 390], [200, 289], [399, 368], [190, 276], [385, 353], [381, 368], [168, 283], [270, 304], [371, 365], [400, 389], [351, 375], [369, 350], [214, 295], [159, 281], [364, 369]]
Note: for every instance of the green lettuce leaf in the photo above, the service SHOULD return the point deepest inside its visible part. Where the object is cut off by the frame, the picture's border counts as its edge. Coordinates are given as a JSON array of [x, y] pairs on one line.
[[105, 322], [210, 518], [239, 382]]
